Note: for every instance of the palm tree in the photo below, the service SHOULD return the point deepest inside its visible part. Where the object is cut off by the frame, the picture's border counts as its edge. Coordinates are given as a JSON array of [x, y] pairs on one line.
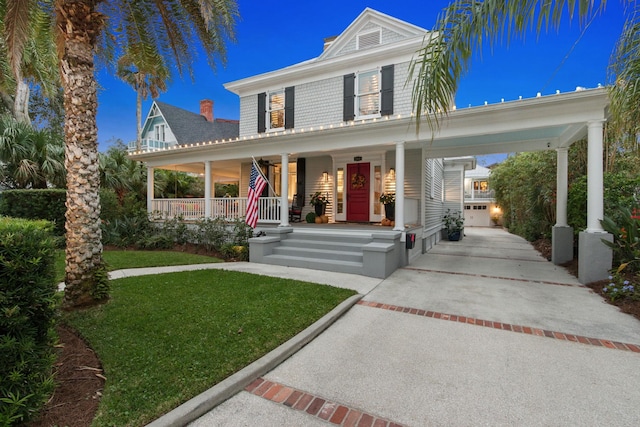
[[30, 158], [148, 74], [466, 25], [28, 54], [172, 28]]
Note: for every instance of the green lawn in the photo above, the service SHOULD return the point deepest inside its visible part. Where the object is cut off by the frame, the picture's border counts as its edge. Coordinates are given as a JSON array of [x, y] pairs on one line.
[[117, 260], [164, 339]]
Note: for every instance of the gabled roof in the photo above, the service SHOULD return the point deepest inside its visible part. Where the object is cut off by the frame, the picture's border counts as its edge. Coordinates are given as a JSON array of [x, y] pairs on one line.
[[478, 172], [190, 127], [399, 41], [370, 20]]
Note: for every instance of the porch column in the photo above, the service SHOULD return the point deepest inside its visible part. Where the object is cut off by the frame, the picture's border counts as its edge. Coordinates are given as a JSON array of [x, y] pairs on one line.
[[284, 190], [150, 187], [561, 234], [595, 257], [207, 189], [399, 186]]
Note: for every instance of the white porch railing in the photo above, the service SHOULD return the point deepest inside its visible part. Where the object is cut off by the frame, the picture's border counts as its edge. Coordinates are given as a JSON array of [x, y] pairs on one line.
[[228, 208]]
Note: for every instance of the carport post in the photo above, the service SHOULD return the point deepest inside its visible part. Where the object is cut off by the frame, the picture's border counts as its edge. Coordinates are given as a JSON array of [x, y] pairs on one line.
[[562, 234], [595, 257]]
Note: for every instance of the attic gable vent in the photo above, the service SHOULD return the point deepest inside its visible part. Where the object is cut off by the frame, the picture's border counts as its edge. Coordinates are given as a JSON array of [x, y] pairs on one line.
[[367, 40]]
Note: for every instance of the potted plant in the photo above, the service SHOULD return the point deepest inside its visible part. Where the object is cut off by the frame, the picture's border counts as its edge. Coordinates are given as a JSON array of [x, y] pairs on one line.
[[319, 202], [389, 202], [453, 224]]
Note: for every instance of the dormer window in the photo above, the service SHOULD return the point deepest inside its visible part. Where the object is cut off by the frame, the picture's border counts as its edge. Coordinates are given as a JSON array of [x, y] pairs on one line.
[[368, 39]]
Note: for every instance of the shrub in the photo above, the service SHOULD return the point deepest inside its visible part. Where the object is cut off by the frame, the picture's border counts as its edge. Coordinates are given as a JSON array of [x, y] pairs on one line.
[[211, 233], [626, 240], [36, 204], [310, 218], [27, 309]]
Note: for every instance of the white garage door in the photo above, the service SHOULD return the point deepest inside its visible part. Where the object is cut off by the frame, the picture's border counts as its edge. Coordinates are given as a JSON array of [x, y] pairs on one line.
[[477, 216]]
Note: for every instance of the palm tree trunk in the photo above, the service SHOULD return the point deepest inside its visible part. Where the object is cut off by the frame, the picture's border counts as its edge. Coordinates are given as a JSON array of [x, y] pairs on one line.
[[79, 24], [21, 102], [139, 119]]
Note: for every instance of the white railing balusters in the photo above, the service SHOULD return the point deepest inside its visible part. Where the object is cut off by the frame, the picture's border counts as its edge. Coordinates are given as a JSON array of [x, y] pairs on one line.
[[228, 208]]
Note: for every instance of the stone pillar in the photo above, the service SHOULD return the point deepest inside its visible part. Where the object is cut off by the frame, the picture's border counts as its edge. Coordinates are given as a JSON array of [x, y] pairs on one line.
[[595, 257], [284, 189], [562, 234], [399, 186], [150, 190], [207, 189]]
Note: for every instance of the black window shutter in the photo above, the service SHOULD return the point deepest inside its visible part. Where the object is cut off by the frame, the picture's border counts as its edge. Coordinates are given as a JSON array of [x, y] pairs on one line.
[[289, 100], [386, 102], [348, 111], [300, 174], [262, 112]]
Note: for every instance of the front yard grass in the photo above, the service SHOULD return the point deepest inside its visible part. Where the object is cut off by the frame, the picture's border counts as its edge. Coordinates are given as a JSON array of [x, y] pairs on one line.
[[164, 339]]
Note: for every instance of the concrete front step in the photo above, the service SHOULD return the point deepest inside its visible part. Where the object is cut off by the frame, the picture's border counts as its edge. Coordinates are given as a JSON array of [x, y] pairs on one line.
[[331, 252], [333, 245], [338, 266]]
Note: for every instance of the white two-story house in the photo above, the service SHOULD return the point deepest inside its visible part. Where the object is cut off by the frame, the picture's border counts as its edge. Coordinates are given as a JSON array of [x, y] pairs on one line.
[[341, 123]]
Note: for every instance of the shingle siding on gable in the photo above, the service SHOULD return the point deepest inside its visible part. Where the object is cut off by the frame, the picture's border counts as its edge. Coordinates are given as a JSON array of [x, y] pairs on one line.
[[388, 36], [320, 102]]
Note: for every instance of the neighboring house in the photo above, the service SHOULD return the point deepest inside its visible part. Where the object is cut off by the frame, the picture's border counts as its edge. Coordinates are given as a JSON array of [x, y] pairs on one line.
[[167, 126], [342, 124], [480, 209]]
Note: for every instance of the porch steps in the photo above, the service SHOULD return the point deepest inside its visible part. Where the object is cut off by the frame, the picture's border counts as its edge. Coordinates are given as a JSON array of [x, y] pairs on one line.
[[321, 251]]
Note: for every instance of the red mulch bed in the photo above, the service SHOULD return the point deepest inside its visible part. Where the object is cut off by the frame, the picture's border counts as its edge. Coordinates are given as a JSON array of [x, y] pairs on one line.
[[79, 382]]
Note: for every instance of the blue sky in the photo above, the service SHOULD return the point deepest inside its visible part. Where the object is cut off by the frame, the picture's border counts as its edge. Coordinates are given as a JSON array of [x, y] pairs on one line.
[[272, 35]]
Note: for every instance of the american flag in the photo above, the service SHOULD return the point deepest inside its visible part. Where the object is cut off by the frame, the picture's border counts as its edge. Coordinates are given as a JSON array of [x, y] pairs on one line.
[[256, 185]]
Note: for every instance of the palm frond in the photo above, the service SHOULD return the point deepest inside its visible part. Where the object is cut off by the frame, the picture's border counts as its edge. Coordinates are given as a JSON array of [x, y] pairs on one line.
[[463, 28]]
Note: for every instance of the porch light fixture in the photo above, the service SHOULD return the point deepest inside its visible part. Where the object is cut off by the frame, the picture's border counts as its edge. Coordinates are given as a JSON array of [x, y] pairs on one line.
[[325, 176], [392, 173]]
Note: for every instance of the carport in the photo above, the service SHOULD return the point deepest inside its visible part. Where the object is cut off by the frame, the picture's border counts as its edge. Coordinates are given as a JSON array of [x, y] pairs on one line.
[[543, 123]]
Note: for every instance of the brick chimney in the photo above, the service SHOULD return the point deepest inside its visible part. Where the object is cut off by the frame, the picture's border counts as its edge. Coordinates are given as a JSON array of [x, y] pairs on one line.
[[206, 109]]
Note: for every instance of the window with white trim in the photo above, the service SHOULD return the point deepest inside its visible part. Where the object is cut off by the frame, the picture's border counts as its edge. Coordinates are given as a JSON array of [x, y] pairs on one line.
[[275, 110], [159, 131], [368, 94]]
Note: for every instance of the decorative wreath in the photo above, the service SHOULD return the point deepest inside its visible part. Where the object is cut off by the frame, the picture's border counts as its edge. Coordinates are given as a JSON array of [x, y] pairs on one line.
[[358, 181]]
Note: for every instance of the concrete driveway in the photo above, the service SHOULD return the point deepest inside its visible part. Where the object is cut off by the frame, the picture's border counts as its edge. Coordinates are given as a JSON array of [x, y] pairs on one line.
[[478, 332]]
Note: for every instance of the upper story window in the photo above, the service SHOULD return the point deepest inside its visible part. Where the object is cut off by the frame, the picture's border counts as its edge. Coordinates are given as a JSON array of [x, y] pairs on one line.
[[276, 109], [368, 96], [159, 132]]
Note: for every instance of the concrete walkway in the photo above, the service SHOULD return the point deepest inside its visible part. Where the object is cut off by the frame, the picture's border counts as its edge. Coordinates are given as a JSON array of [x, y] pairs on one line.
[[478, 332]]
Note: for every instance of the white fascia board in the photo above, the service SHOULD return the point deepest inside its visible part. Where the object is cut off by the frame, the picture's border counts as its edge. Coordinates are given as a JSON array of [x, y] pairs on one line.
[[316, 69]]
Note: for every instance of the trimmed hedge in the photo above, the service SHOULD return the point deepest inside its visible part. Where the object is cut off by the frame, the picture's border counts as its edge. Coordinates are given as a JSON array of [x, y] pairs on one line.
[[36, 204], [27, 310]]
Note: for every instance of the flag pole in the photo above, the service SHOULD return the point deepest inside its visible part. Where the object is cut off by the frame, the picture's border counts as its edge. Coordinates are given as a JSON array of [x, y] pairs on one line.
[[264, 177]]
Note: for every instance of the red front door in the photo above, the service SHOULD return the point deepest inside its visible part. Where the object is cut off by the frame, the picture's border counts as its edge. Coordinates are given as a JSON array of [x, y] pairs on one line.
[[358, 192]]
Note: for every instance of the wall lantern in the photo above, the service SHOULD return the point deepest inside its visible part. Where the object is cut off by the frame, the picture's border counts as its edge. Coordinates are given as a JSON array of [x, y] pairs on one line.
[[325, 176]]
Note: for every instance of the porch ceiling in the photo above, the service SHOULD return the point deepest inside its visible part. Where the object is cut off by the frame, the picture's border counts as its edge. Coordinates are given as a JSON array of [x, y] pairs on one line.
[[533, 124]]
